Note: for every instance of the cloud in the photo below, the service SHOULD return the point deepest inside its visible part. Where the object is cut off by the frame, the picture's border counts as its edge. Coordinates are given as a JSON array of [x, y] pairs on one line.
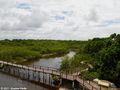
[[58, 19], [21, 18]]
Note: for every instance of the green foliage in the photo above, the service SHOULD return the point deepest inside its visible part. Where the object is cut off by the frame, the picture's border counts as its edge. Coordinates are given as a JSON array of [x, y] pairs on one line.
[[56, 80], [90, 75], [94, 46], [112, 36], [21, 50], [106, 58], [65, 64], [117, 38], [110, 58], [103, 54]]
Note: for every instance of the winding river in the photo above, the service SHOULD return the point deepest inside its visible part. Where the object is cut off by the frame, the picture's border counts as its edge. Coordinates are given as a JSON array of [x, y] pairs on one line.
[[8, 81]]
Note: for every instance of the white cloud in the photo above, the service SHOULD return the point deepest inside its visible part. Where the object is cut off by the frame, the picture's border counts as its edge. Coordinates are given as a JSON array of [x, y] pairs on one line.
[[58, 19]]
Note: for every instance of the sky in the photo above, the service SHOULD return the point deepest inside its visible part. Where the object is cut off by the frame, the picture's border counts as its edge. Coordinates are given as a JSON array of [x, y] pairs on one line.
[[59, 19]]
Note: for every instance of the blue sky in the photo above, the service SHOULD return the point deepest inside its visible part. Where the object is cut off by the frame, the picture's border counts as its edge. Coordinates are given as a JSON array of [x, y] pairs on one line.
[[23, 6], [59, 19], [109, 23]]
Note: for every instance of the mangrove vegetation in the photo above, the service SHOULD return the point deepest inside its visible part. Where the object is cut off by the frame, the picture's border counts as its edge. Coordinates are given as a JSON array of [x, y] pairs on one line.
[[19, 51], [98, 58], [95, 58]]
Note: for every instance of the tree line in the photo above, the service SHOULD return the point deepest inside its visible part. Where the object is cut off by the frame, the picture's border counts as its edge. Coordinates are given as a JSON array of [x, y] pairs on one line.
[[103, 54], [18, 50]]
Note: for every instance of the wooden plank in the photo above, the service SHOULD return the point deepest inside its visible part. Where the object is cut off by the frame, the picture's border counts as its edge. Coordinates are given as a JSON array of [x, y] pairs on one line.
[[53, 71]]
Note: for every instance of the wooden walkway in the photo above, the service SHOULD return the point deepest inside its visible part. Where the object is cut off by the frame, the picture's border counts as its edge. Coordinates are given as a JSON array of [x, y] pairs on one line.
[[51, 71]]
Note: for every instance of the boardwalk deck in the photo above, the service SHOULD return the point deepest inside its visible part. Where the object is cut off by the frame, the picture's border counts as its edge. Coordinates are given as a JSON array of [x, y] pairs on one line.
[[56, 72]]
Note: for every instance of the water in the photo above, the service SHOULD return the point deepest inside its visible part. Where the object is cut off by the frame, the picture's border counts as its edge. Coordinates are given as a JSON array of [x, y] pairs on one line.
[[9, 81], [54, 63], [50, 62]]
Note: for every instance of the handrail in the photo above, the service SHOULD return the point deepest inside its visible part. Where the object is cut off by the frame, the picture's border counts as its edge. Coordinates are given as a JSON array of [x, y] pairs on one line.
[[42, 67], [47, 69]]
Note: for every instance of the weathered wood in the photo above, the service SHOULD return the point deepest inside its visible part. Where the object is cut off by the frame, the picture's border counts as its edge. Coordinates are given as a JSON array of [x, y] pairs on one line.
[[51, 71]]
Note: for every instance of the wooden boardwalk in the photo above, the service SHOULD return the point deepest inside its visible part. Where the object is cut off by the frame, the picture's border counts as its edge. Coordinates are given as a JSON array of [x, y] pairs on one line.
[[51, 71]]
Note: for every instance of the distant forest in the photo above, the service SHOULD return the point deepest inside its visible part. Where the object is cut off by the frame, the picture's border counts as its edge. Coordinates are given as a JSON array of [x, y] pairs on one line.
[[18, 51], [102, 53]]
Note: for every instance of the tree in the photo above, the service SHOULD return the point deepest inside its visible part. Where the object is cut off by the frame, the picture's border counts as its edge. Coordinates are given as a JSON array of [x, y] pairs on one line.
[[112, 36], [117, 38], [65, 64]]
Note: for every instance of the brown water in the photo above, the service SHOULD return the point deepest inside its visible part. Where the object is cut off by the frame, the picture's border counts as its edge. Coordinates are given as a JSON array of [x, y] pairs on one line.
[[9, 81]]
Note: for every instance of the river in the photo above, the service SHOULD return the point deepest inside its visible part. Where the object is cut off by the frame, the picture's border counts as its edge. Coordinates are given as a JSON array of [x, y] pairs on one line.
[[8, 81]]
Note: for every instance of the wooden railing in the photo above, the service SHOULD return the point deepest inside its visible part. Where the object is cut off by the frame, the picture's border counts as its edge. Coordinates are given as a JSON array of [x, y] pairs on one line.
[[35, 73]]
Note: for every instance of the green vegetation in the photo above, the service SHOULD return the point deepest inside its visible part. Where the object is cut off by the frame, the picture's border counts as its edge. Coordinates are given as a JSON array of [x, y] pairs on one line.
[[96, 58], [102, 58], [18, 51], [56, 80], [105, 57]]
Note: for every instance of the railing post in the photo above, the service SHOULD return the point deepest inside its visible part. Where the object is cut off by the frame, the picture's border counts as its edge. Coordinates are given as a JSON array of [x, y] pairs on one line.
[[43, 75], [28, 73], [83, 84], [66, 74], [60, 80], [49, 79], [100, 87], [45, 78], [23, 72], [33, 74], [73, 84], [92, 87], [18, 72], [40, 67], [52, 71], [39, 77]]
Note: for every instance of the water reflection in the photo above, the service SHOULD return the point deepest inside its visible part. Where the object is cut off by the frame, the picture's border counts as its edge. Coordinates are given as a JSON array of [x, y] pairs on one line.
[[9, 81], [51, 62], [54, 63]]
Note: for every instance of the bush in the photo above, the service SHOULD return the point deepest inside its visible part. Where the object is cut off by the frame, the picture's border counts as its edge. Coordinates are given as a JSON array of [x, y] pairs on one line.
[[90, 75], [65, 64]]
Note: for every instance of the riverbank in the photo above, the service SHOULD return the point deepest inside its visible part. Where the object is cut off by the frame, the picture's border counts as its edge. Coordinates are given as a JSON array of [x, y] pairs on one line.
[[19, 51], [36, 57], [53, 62]]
